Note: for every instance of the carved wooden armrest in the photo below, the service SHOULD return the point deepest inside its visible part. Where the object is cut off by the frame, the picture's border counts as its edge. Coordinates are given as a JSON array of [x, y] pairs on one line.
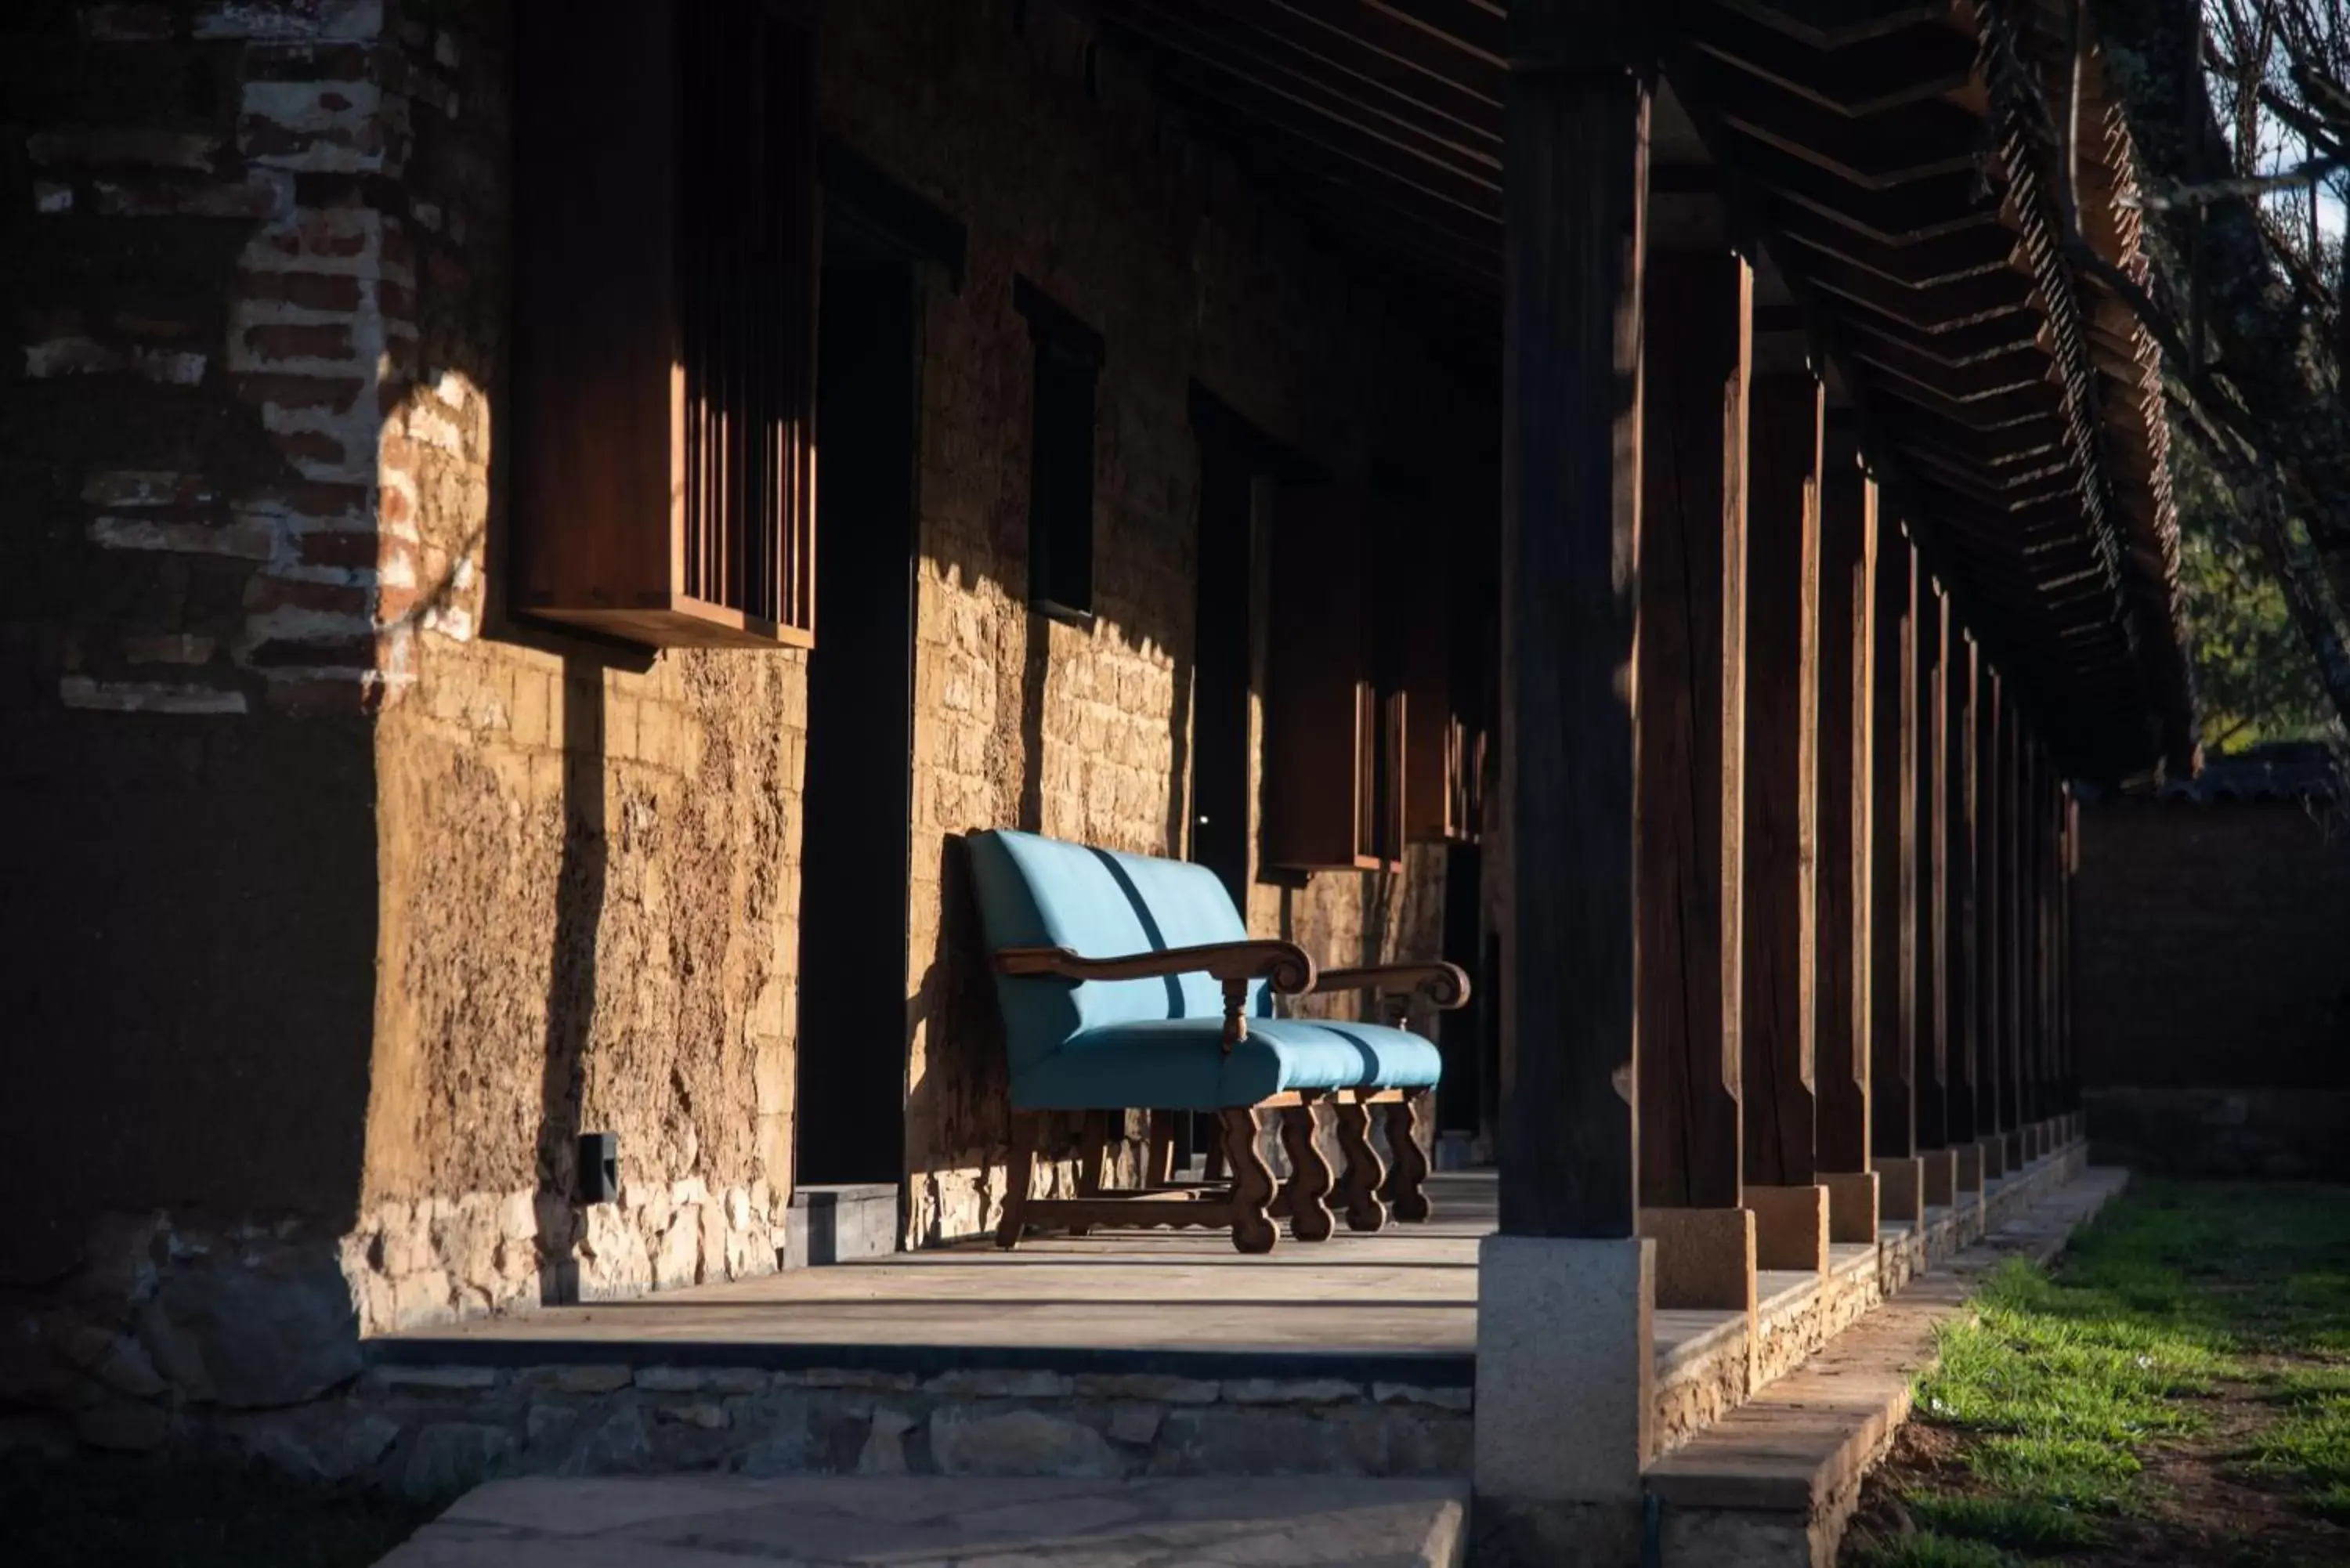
[[1285, 966], [1446, 985]]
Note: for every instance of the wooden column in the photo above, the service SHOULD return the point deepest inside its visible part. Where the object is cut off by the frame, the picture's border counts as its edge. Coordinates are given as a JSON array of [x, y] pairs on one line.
[[1893, 1031], [2024, 956], [2068, 862], [2038, 1028], [1932, 784], [1691, 678], [1958, 928], [2053, 822], [1847, 803], [1994, 826], [1782, 777], [1577, 202]]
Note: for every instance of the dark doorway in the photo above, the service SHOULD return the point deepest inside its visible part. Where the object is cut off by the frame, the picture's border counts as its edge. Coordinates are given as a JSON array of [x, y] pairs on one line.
[[1220, 648], [858, 805]]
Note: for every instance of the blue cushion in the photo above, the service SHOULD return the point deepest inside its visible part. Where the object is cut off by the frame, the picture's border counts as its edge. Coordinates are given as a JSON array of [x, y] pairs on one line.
[[1178, 1065], [1042, 892], [1158, 1042]]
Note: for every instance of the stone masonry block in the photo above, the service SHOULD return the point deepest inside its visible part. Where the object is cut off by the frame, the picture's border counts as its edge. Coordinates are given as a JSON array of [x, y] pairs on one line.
[[1901, 1191], [1705, 1258], [1790, 1226], [1564, 1417], [1853, 1205]]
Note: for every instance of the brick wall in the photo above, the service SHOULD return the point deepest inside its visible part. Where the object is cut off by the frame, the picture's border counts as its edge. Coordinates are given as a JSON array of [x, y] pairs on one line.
[[348, 900], [2213, 1002]]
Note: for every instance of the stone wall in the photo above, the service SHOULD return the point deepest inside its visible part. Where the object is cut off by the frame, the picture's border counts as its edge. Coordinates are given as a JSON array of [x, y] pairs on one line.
[[2213, 1008], [348, 900]]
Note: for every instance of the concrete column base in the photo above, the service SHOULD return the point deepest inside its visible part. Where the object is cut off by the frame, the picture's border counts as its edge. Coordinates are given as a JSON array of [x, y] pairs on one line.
[[1901, 1192], [1941, 1169], [1994, 1155], [1705, 1258], [1566, 1373], [1790, 1226], [1853, 1205], [2017, 1149], [1511, 1532]]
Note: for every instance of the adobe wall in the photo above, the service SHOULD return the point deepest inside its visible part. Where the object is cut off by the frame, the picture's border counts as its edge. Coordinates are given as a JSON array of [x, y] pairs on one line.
[[344, 901], [1072, 175], [2213, 1001]]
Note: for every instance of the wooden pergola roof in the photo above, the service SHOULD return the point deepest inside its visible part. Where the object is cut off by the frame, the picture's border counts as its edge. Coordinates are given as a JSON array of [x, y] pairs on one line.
[[1899, 165]]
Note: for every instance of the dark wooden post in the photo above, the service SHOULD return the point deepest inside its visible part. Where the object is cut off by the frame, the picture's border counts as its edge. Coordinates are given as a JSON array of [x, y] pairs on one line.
[[2038, 1031], [1576, 202], [2068, 863], [1893, 1031], [2052, 819], [1995, 824], [1847, 787], [1932, 784], [1691, 673], [1960, 657], [2015, 913], [1782, 777]]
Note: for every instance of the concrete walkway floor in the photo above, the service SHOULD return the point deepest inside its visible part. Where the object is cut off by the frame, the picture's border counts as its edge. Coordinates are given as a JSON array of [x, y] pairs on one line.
[[937, 1521]]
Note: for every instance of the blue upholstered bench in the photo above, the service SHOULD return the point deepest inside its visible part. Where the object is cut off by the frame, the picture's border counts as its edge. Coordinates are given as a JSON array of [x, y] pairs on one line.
[[1131, 983]]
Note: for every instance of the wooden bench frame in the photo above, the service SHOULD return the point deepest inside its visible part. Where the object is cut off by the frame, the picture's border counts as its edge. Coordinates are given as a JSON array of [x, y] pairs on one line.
[[1249, 1203]]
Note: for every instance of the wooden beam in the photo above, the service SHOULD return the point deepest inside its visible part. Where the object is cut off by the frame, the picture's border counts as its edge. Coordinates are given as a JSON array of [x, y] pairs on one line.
[[1969, 253], [1936, 307], [1896, 147], [1847, 802], [1860, 78], [1858, 23], [1893, 1027], [1690, 670], [1402, 39], [1782, 778], [1578, 187], [1318, 38], [1927, 209], [1272, 66]]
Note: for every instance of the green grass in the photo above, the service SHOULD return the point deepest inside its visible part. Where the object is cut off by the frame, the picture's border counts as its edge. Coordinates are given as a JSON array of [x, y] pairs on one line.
[[1928, 1550], [111, 1512], [2023, 1525], [2310, 1448], [2064, 1384]]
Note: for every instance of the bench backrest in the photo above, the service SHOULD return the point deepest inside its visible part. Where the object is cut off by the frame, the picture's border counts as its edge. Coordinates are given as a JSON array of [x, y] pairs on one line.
[[1045, 892]]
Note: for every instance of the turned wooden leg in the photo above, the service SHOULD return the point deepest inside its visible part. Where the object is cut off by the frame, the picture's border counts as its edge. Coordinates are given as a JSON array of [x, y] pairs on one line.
[[1252, 1230], [1309, 1179], [1364, 1174], [1410, 1189], [1020, 1173], [1162, 1167]]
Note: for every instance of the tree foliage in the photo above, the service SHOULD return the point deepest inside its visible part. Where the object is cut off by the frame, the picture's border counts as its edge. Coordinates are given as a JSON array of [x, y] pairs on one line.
[[2252, 666]]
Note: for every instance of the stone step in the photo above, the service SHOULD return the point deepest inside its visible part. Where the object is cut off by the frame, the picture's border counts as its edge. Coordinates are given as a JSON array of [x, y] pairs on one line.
[[837, 1224], [931, 1522], [1773, 1483]]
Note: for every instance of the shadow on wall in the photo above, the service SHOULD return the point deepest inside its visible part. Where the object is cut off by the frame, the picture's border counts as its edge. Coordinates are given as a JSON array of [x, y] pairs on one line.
[[571, 972]]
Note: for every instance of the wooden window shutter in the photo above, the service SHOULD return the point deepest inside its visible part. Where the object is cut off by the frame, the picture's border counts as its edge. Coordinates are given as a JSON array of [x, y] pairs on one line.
[[1334, 776], [1069, 360], [1445, 742], [665, 280]]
